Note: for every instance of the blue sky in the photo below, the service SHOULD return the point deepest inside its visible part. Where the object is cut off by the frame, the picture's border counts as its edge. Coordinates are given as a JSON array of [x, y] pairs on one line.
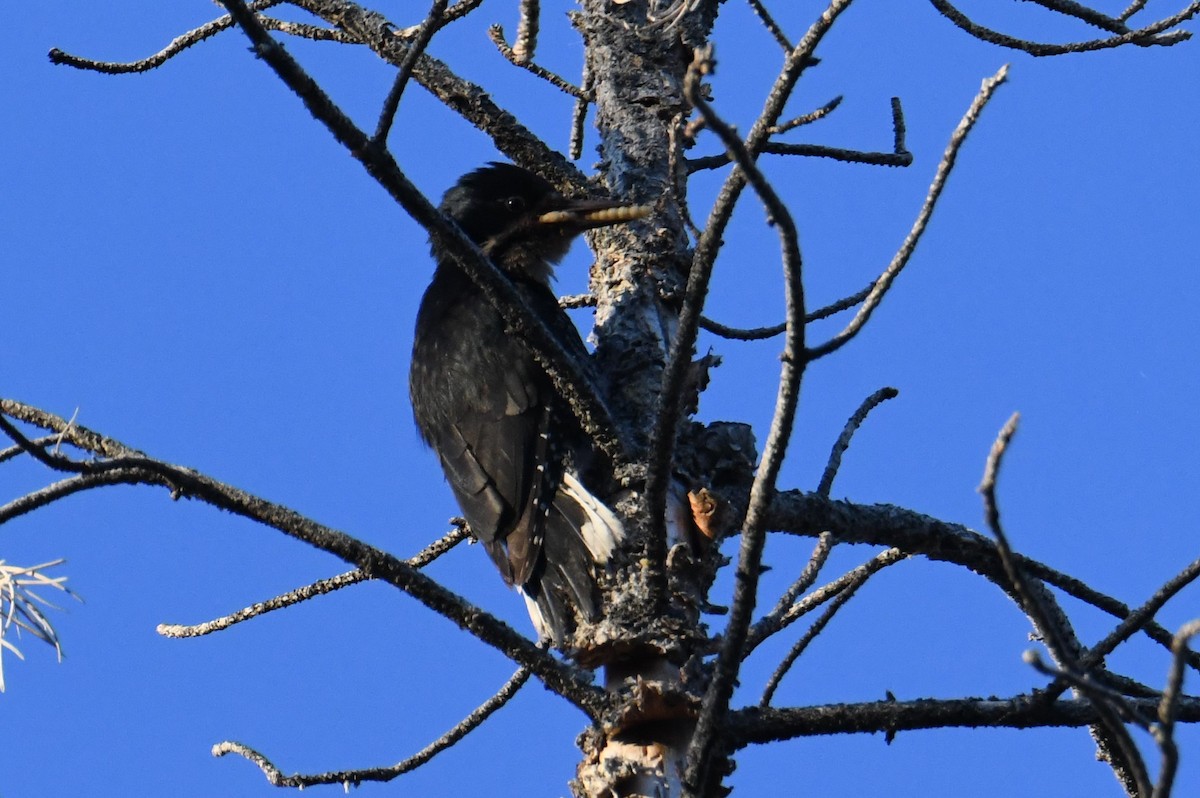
[[196, 266]]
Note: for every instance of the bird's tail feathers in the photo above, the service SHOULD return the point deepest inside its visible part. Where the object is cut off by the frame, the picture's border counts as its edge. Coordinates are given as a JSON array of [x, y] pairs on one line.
[[579, 534]]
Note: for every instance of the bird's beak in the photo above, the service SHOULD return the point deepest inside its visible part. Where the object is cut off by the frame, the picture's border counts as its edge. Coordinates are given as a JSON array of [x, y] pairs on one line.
[[585, 214]]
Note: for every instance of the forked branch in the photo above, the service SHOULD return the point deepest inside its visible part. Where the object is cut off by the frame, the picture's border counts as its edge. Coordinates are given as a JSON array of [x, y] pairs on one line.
[[568, 681], [901, 258], [1148, 35]]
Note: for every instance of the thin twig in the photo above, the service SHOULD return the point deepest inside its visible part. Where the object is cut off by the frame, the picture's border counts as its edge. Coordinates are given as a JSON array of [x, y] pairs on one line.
[[463, 97], [784, 615], [859, 578], [806, 119], [292, 597], [16, 450], [813, 151], [434, 21], [945, 167], [768, 624], [527, 30], [1051, 633], [899, 156], [1092, 689], [496, 34], [318, 588], [899, 144], [453, 13], [352, 778], [739, 333], [843, 442], [771, 25], [353, 23], [579, 114], [177, 45], [302, 31], [1115, 744], [1091, 16], [1134, 7]]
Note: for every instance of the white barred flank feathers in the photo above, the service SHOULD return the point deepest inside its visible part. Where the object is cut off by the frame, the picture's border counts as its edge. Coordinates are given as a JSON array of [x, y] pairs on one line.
[[603, 531]]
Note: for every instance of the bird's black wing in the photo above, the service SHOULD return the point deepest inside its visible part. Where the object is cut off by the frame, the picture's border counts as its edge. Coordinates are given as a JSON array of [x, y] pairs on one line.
[[488, 438]]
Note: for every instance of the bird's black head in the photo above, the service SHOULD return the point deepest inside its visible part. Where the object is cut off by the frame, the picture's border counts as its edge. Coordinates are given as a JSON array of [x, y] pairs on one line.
[[521, 222]]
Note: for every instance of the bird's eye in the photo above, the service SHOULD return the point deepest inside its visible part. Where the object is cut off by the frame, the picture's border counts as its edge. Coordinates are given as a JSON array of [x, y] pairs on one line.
[[515, 204]]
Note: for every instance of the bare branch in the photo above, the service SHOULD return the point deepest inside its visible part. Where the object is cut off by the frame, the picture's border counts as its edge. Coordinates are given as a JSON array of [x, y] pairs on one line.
[[77, 435], [808, 514], [1114, 743], [902, 256], [899, 143], [292, 597], [17, 450], [843, 442], [350, 778], [758, 725], [1168, 710], [1016, 578], [453, 13], [782, 613], [177, 45], [1086, 684], [898, 157], [302, 31], [774, 621], [1143, 36], [720, 689], [812, 151]]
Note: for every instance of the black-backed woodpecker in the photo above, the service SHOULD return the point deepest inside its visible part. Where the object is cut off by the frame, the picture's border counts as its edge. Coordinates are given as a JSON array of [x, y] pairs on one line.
[[514, 454]]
